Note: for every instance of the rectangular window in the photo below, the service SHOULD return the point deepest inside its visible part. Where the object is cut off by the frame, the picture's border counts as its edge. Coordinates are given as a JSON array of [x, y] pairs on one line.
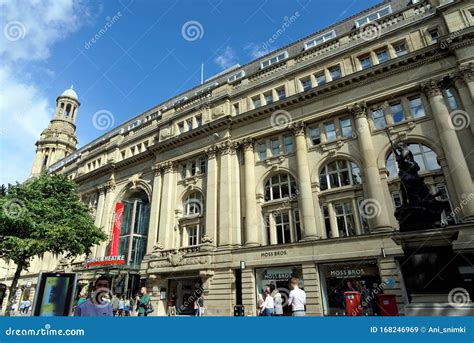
[[181, 127], [330, 130], [274, 59], [416, 107], [192, 235], [262, 151], [327, 222], [434, 35], [183, 171], [282, 225], [373, 16], [346, 127], [320, 79], [315, 135], [453, 104], [365, 62], [268, 98], [275, 146], [398, 114], [193, 168], [400, 49], [320, 39], [199, 120], [288, 144], [281, 93], [202, 165], [297, 224], [236, 76], [335, 73], [382, 56], [378, 117], [345, 219], [397, 199], [190, 124], [236, 108], [305, 84], [256, 102]]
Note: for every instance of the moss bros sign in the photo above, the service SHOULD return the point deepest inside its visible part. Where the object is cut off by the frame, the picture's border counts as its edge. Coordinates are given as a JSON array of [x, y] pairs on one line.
[[105, 260], [277, 253]]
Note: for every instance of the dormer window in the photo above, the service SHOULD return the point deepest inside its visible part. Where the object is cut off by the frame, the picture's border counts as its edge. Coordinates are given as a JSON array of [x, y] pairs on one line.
[[374, 16], [320, 39], [274, 59], [240, 74]]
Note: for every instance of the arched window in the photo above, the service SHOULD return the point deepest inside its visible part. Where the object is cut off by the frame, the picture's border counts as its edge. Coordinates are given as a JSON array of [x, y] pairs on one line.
[[193, 204], [339, 173], [134, 227], [280, 186], [68, 110], [424, 156]]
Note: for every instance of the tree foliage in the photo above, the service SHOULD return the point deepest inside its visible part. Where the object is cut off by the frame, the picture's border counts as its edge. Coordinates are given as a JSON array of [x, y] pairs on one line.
[[43, 215]]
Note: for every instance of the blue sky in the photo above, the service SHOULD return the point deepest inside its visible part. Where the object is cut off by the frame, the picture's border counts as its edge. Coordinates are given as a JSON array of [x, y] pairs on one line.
[[141, 60]]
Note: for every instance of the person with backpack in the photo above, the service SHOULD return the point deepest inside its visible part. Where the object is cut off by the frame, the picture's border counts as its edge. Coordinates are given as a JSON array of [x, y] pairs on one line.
[[144, 306]]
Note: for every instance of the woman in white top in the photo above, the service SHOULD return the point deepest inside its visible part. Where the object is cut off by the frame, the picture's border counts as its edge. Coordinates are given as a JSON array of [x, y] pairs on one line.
[[278, 303], [268, 304]]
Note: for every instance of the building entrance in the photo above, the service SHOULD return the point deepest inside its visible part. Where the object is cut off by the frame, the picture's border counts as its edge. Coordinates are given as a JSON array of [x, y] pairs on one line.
[[186, 291]]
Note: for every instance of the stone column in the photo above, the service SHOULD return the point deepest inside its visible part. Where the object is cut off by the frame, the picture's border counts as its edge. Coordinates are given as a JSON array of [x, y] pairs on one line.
[[463, 79], [372, 183], [154, 208], [226, 228], [99, 214], [332, 220], [211, 196], [468, 76], [306, 204], [166, 219], [452, 149], [235, 192], [251, 228]]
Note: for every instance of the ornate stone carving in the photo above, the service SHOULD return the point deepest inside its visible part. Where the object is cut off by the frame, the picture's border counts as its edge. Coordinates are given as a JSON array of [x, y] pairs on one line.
[[206, 239], [228, 147], [168, 166], [211, 152], [134, 180], [298, 128], [175, 257], [431, 88], [359, 109], [466, 72], [157, 168], [248, 143]]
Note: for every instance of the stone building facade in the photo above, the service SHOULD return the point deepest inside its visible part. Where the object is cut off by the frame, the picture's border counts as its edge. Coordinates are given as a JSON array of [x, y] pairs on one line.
[[283, 167]]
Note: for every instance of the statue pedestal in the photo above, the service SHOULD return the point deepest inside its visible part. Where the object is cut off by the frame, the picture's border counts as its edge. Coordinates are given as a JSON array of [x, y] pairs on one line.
[[432, 272]]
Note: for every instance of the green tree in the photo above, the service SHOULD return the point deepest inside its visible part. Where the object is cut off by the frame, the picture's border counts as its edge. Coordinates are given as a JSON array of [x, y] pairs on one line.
[[43, 215]]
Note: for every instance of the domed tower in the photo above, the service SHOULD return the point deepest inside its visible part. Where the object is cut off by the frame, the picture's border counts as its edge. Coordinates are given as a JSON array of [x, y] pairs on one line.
[[59, 138]]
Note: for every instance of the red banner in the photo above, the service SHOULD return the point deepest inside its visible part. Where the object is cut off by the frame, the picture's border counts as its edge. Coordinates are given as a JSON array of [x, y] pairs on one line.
[[114, 244]]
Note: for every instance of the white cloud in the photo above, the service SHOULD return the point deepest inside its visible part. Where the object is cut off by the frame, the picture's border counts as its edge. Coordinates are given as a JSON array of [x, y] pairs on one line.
[[29, 29], [227, 58], [256, 50]]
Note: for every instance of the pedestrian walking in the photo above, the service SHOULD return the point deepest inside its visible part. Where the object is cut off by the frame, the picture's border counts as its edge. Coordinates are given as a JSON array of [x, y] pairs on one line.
[[297, 299], [199, 305], [172, 303], [121, 306], [98, 305], [144, 304], [115, 304], [126, 307], [278, 302], [268, 304]]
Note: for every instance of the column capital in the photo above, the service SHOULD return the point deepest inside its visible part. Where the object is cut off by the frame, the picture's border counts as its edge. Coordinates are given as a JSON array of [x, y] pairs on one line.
[[168, 166], [359, 109], [466, 72], [248, 143], [431, 88], [228, 147], [109, 186], [211, 152], [157, 168], [298, 128]]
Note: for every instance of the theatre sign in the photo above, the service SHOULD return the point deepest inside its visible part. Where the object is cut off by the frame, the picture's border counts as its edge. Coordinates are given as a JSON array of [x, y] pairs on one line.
[[105, 260]]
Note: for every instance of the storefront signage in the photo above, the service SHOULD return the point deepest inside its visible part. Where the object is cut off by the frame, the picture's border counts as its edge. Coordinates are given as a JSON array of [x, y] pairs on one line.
[[114, 244], [267, 254], [105, 260], [343, 273]]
